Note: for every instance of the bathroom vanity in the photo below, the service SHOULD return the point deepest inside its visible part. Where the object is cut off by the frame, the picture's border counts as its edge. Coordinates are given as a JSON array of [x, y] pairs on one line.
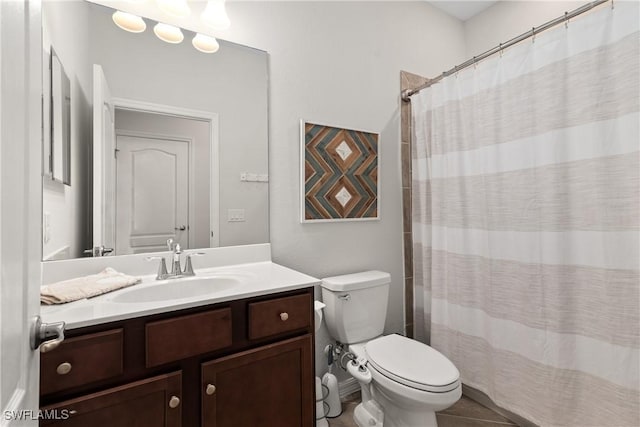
[[240, 357]]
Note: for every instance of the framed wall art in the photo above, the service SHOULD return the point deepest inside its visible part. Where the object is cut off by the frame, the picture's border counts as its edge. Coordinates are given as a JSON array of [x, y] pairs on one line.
[[339, 173]]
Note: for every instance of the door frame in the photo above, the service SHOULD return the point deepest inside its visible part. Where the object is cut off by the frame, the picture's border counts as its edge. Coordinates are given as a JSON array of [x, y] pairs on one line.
[[214, 153], [190, 178], [20, 207]]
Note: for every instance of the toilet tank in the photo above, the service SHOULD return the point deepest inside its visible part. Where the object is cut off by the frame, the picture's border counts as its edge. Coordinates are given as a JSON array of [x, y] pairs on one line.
[[356, 305]]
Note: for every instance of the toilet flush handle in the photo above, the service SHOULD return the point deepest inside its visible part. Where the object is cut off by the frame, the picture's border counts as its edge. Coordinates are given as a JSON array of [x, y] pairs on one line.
[[345, 297]]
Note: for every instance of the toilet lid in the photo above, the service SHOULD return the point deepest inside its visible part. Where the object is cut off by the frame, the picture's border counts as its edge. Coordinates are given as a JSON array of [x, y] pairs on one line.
[[412, 363]]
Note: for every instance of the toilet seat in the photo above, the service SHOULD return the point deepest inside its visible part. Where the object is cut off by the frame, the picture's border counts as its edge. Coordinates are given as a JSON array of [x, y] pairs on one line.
[[412, 363]]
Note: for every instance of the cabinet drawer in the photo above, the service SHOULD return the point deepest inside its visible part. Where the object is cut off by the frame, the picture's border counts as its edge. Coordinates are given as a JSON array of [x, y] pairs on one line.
[[279, 315], [153, 402], [185, 336], [82, 360]]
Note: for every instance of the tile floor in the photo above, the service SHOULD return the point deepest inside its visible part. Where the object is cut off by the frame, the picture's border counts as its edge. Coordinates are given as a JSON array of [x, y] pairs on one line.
[[465, 413]]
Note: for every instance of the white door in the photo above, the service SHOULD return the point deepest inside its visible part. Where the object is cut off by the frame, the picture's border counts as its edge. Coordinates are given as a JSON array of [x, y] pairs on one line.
[[152, 194], [103, 162], [20, 208]]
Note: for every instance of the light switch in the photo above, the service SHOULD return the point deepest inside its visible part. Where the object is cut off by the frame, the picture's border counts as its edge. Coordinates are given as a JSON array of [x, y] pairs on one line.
[[235, 215]]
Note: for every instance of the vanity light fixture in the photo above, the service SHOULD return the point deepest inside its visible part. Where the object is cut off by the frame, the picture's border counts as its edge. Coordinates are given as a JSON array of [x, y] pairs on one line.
[[129, 22], [215, 15], [168, 33], [204, 43], [176, 8]]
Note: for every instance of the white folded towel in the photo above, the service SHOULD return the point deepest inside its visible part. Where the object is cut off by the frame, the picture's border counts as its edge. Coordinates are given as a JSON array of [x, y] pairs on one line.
[[85, 287]]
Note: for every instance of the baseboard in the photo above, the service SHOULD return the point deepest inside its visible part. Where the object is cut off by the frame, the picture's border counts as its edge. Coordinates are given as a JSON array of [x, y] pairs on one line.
[[347, 387]]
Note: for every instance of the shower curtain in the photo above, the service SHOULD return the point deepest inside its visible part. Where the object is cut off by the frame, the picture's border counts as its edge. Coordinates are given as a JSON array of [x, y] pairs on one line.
[[526, 207]]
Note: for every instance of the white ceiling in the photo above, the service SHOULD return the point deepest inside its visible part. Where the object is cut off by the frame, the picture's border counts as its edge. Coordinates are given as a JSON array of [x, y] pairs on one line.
[[462, 10]]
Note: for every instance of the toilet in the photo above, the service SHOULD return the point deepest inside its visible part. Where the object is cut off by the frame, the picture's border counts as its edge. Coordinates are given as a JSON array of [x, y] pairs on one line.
[[403, 381]]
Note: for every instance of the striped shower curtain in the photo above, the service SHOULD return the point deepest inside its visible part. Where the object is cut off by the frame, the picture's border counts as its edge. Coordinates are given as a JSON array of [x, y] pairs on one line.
[[526, 207]]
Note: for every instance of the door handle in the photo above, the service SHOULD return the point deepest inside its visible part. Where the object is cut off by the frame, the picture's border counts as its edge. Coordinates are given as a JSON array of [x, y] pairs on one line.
[[181, 228], [46, 336]]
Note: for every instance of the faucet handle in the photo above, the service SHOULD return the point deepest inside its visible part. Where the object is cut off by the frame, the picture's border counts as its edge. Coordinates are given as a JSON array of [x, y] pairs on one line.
[[170, 244], [162, 268], [188, 267]]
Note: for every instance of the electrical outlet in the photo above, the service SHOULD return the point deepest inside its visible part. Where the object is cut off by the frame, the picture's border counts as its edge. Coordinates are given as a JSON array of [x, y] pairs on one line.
[[235, 215]]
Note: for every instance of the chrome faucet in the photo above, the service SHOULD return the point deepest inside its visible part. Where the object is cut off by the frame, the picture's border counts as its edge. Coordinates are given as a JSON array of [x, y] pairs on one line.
[[175, 258], [176, 269]]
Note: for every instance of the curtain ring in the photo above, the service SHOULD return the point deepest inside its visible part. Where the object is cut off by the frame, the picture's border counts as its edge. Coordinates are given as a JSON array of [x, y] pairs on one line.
[[500, 50], [566, 20], [533, 34], [475, 63]]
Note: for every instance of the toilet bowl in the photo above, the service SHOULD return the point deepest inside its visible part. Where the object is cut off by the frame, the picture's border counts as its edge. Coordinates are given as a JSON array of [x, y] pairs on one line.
[[410, 381], [403, 381]]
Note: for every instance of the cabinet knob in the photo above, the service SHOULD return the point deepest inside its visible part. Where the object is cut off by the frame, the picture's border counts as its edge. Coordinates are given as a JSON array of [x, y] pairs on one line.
[[64, 368], [210, 389], [284, 316], [174, 402]]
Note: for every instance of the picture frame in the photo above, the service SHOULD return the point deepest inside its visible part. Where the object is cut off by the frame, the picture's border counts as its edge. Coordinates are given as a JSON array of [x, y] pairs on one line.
[[339, 170]]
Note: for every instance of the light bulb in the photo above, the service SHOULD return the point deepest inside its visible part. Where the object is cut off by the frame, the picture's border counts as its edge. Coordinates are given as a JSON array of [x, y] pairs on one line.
[[168, 33], [215, 15], [206, 44], [177, 8], [129, 22]]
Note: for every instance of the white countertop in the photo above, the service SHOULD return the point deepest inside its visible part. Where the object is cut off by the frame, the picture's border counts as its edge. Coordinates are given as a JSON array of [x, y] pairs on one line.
[[259, 278]]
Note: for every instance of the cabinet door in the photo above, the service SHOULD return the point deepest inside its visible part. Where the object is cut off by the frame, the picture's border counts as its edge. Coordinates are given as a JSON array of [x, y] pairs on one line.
[[154, 402], [267, 386]]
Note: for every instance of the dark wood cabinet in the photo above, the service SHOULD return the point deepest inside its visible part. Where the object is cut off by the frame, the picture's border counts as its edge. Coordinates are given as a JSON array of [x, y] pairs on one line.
[[261, 387], [279, 315], [184, 336], [247, 362], [154, 402], [82, 360]]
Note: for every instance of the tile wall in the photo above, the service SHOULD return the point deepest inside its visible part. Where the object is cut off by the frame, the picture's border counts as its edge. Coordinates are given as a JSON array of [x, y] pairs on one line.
[[407, 81]]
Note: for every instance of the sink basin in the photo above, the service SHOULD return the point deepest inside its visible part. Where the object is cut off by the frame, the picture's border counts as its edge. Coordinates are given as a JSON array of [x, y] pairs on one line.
[[177, 289]]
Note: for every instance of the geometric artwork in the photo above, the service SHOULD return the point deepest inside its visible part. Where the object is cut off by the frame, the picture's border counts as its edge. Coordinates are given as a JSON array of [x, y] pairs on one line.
[[339, 174]]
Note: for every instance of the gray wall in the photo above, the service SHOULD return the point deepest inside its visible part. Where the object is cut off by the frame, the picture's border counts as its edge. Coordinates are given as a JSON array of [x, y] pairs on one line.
[[339, 63], [507, 19]]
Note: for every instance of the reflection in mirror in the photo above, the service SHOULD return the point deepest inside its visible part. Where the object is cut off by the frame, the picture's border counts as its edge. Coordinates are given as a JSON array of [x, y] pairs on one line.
[[60, 122], [160, 137]]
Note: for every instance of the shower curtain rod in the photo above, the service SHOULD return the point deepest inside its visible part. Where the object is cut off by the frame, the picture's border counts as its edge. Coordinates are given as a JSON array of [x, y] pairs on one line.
[[407, 93]]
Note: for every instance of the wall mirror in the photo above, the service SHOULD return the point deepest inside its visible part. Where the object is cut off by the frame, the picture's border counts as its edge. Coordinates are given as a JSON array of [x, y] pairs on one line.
[[165, 141]]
